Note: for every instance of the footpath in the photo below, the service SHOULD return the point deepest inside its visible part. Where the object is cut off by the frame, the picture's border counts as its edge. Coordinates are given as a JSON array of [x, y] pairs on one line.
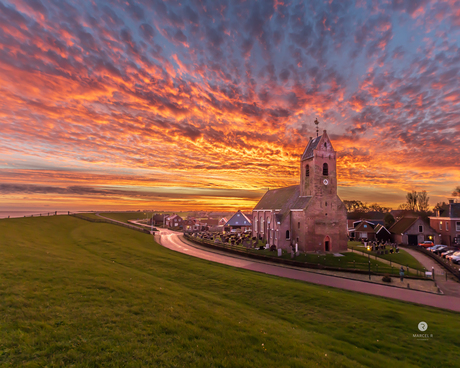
[[449, 285]]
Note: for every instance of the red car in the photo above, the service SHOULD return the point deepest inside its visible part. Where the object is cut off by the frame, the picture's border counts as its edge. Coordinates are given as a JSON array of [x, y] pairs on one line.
[[426, 244]]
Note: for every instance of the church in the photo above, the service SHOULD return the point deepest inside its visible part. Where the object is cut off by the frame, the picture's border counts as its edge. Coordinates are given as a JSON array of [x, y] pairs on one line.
[[311, 214]]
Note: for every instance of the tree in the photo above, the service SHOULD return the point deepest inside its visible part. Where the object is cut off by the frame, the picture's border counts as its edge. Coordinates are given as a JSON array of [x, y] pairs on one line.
[[438, 206], [416, 202], [422, 201], [411, 199], [355, 206], [456, 192], [389, 220]]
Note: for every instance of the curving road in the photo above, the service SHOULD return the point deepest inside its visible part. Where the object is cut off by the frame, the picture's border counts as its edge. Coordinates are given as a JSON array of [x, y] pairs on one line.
[[174, 241]]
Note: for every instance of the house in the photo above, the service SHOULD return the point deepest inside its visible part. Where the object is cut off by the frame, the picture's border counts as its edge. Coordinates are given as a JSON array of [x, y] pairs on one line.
[[174, 221], [222, 221], [365, 229], [311, 214], [158, 219], [447, 223], [239, 222], [411, 231]]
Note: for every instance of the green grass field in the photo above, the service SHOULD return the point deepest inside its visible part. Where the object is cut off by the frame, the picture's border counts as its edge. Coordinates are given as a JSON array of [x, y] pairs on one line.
[[402, 257], [125, 216], [77, 294]]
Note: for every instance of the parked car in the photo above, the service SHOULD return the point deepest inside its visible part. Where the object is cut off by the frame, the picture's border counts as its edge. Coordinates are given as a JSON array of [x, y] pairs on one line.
[[441, 249], [456, 259], [426, 244], [453, 254], [446, 253], [435, 247]]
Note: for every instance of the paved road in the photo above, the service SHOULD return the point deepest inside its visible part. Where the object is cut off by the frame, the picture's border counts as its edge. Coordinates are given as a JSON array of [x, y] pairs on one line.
[[172, 240]]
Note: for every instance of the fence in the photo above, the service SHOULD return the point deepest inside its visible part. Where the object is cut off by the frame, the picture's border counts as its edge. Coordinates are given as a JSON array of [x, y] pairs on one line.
[[250, 254], [108, 221], [441, 261]]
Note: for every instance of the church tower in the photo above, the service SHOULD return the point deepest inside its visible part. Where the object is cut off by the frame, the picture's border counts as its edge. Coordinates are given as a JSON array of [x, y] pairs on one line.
[[318, 175]]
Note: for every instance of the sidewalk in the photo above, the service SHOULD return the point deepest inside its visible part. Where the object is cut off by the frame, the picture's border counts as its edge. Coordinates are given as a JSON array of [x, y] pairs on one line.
[[449, 287]]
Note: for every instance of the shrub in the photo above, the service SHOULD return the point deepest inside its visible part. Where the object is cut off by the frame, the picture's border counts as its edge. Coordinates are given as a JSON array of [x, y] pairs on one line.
[[386, 278]]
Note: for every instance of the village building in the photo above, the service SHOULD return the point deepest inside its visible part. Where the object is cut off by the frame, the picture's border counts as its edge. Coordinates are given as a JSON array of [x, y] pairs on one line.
[[369, 231], [311, 214], [412, 231], [222, 221], [447, 223], [158, 219], [239, 222], [174, 221]]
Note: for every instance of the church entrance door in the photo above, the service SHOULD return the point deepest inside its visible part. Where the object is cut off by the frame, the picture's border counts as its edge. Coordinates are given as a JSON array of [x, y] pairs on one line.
[[327, 244]]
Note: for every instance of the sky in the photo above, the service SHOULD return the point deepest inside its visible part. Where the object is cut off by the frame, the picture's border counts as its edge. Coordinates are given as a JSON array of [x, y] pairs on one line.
[[207, 104]]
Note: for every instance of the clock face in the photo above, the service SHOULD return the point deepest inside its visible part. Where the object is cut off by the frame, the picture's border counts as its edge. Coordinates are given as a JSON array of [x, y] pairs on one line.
[[325, 182]]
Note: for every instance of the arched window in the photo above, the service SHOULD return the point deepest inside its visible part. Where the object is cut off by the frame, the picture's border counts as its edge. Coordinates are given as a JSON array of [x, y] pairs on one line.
[[307, 170], [325, 145], [255, 225], [325, 169], [287, 234]]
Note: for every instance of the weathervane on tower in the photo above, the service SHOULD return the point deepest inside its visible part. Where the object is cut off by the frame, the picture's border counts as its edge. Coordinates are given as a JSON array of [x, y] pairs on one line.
[[316, 123]]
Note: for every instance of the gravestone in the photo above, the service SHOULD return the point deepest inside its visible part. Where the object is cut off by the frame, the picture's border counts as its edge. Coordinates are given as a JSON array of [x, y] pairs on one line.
[[280, 252]]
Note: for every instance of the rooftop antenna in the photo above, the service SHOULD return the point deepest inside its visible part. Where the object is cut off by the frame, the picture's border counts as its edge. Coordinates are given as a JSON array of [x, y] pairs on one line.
[[316, 123]]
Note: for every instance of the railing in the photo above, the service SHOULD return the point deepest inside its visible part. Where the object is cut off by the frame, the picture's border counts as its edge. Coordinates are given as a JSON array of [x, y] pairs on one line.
[[108, 221], [240, 250], [443, 262]]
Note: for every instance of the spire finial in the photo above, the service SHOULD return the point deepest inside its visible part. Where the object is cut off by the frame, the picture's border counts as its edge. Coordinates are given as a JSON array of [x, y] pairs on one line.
[[316, 122]]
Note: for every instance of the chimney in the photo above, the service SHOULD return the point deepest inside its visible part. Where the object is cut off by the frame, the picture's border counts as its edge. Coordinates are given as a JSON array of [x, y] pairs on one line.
[[451, 201]]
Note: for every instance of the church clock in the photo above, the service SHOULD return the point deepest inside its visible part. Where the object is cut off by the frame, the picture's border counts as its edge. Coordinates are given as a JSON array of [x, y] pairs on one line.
[[325, 182]]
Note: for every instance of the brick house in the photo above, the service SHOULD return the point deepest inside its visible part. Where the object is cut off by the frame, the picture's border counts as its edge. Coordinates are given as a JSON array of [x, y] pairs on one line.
[[311, 214], [369, 230], [158, 219], [174, 221], [412, 230], [447, 223]]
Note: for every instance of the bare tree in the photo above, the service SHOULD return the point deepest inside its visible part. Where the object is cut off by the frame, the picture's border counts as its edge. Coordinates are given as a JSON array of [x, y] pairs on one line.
[[422, 201], [412, 199]]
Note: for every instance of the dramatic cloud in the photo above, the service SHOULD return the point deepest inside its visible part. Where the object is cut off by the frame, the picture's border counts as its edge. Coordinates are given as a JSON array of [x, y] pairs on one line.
[[222, 95]]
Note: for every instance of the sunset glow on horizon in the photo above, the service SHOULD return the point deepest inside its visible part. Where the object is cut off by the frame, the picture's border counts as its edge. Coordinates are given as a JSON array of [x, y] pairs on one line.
[[203, 105]]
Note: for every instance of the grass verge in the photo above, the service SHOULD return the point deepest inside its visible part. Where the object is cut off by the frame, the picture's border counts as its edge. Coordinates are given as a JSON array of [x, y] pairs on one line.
[[82, 294]]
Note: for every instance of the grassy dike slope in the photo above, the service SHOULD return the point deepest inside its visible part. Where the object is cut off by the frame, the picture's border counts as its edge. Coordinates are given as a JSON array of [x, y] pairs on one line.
[[75, 293]]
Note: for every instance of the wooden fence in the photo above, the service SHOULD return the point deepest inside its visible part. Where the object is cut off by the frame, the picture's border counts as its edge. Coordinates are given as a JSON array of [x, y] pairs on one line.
[[250, 254]]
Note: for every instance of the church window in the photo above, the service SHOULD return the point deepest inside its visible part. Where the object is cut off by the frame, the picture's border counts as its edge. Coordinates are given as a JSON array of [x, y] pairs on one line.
[[326, 204], [325, 169], [325, 145], [307, 170], [298, 225], [287, 235]]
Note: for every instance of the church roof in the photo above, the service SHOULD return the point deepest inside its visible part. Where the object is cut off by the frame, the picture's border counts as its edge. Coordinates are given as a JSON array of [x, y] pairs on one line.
[[308, 153], [283, 199], [239, 219]]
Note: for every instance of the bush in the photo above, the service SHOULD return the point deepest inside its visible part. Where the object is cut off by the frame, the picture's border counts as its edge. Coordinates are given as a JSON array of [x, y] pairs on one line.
[[386, 278]]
